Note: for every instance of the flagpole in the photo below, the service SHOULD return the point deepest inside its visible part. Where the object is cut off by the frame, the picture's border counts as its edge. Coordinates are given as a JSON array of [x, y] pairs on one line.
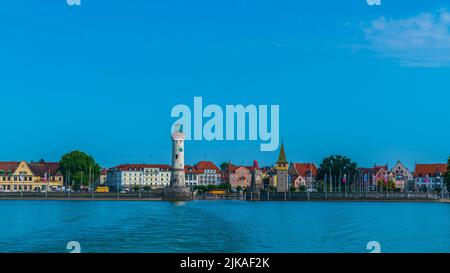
[[21, 188], [331, 181], [68, 182], [90, 180], [46, 187]]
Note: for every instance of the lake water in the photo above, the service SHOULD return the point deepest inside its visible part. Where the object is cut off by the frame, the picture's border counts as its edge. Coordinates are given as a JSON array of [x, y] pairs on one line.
[[223, 226]]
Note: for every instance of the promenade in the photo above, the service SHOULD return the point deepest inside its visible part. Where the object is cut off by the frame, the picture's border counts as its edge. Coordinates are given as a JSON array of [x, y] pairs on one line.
[[263, 196]]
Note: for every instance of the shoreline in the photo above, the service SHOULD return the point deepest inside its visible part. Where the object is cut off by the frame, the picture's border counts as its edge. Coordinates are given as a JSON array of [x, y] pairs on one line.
[[155, 199]]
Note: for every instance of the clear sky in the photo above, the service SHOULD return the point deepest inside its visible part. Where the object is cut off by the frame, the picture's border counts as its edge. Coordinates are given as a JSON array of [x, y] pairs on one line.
[[372, 83]]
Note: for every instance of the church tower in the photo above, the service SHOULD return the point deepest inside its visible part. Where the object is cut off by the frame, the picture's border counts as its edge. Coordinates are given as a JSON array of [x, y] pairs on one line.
[[177, 179], [282, 167]]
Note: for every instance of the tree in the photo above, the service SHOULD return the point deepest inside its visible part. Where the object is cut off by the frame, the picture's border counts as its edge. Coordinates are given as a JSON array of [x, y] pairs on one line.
[[337, 166], [390, 185], [225, 186], [292, 189], [77, 165], [224, 166], [271, 188], [200, 188]]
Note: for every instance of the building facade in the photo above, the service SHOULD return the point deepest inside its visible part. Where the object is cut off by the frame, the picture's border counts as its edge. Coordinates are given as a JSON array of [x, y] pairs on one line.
[[402, 177], [129, 176], [430, 177], [191, 176], [30, 177], [208, 173], [303, 175]]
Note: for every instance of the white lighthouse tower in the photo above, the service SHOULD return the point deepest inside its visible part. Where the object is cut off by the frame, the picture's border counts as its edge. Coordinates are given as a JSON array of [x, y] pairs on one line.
[[177, 171]]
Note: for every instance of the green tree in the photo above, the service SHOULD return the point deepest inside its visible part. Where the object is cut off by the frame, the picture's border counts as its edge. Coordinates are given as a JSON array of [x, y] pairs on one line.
[[224, 166], [225, 186], [390, 185], [292, 189], [271, 188], [302, 188], [337, 166], [77, 165], [200, 188]]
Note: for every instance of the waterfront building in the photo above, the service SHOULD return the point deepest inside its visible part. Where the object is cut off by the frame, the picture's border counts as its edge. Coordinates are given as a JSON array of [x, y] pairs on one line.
[[281, 167], [265, 177], [102, 177], [208, 173], [429, 176], [23, 176], [402, 177], [256, 178], [129, 176], [303, 175], [241, 176], [380, 173], [191, 175]]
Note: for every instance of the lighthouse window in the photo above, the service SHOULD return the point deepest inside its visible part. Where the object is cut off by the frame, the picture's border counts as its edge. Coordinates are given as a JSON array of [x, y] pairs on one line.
[[176, 156]]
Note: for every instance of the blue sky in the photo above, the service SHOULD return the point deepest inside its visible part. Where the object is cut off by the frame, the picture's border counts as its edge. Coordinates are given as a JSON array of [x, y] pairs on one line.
[[367, 82]]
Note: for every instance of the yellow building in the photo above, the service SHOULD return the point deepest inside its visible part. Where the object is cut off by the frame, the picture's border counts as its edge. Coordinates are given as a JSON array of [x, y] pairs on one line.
[[278, 176], [23, 176]]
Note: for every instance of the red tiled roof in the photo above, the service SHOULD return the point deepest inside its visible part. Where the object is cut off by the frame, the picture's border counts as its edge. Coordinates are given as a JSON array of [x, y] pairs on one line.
[[190, 169], [206, 165], [39, 169], [8, 166], [303, 168], [430, 169], [377, 168]]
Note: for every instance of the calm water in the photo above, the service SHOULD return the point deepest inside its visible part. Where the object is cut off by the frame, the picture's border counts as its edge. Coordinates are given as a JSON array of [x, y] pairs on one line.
[[223, 226]]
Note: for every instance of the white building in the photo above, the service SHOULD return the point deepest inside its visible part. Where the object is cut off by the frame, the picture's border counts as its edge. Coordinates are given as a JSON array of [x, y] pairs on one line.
[[207, 173], [191, 178], [430, 176], [129, 176]]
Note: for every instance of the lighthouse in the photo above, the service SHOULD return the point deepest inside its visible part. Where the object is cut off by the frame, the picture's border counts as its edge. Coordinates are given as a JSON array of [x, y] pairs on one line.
[[177, 191], [177, 170]]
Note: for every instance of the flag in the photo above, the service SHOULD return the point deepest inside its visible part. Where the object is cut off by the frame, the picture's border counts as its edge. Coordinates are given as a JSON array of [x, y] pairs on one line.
[[45, 177], [366, 178], [344, 179], [385, 179]]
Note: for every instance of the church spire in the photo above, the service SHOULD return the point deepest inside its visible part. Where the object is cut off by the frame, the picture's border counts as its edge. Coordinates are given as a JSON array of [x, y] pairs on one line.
[[282, 155]]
